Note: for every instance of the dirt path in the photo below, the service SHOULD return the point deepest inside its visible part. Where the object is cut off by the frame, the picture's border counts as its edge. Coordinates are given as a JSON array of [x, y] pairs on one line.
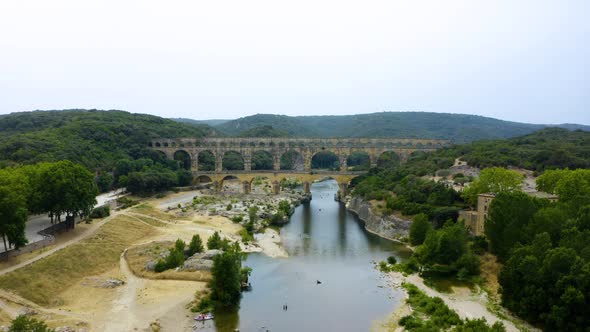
[[143, 301], [76, 239]]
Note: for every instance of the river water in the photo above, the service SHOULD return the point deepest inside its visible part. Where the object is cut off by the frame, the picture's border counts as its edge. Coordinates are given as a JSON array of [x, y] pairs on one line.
[[325, 243]]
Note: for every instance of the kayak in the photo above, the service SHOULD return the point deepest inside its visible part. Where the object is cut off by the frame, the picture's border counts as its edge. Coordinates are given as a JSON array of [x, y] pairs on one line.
[[203, 317]]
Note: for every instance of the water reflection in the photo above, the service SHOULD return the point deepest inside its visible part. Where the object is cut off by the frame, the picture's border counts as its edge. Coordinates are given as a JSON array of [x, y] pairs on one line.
[[327, 243]]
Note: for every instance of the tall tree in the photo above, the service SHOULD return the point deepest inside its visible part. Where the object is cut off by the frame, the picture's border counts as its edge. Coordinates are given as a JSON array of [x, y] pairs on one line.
[[493, 180]]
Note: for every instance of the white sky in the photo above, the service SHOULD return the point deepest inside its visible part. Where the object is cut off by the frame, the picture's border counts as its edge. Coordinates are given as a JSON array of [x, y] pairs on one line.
[[525, 60]]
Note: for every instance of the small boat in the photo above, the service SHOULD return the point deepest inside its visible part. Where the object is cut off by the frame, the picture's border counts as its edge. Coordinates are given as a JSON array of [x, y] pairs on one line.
[[204, 317]]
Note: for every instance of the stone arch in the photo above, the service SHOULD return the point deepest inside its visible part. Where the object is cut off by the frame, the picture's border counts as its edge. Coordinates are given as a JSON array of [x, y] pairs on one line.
[[262, 160], [292, 160], [202, 179], [388, 159], [358, 160], [206, 161], [184, 158], [158, 144], [232, 161], [161, 155], [325, 159], [261, 185], [165, 144], [231, 183]]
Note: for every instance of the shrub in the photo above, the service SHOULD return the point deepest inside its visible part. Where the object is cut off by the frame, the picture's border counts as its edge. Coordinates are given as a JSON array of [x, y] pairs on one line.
[[391, 260], [237, 219], [100, 212], [24, 323], [228, 207]]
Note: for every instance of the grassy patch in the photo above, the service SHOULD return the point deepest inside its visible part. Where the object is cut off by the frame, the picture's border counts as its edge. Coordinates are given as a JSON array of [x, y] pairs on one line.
[[138, 256], [43, 281], [148, 210]]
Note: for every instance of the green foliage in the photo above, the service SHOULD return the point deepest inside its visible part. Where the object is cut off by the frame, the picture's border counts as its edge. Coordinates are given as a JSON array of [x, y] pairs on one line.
[[246, 235], [105, 182], [492, 180], [227, 276], [264, 131], [53, 188], [419, 228], [229, 207], [432, 314], [179, 245], [101, 212], [214, 241], [245, 273], [24, 323], [237, 219], [391, 260], [509, 215], [546, 253], [95, 139], [325, 160], [196, 245], [205, 305], [253, 214], [232, 161], [285, 207], [460, 128]]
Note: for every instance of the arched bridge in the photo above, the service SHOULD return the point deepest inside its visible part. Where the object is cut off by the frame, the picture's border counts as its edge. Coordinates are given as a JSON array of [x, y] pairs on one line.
[[211, 156]]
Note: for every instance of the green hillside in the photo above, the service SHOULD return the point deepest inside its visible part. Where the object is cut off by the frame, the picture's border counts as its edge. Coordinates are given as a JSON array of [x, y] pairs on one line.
[[264, 131], [94, 138], [460, 128]]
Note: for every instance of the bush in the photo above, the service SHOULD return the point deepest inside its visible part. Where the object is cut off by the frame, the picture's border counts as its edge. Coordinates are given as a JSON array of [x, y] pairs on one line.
[[100, 212], [246, 236], [228, 207], [419, 228], [237, 219], [24, 323], [160, 266], [391, 260]]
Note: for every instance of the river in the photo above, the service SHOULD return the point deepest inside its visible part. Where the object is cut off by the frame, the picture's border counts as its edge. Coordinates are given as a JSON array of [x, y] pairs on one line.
[[325, 243]]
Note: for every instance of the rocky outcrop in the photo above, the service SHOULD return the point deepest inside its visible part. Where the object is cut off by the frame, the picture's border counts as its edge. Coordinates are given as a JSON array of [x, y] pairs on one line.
[[389, 227]]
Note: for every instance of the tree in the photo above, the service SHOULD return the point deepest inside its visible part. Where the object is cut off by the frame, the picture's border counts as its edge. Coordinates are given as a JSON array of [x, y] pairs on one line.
[[492, 180], [24, 323], [13, 207], [419, 228], [196, 245], [508, 219], [214, 241], [227, 275]]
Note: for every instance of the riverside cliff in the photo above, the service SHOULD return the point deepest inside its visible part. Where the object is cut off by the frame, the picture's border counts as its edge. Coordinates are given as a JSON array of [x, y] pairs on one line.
[[389, 227]]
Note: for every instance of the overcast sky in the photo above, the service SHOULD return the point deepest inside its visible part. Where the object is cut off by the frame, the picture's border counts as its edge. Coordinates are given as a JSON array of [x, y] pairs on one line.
[[519, 60]]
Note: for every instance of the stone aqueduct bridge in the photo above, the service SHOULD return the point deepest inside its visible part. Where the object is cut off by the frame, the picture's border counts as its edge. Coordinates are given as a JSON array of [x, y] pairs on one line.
[[305, 147]]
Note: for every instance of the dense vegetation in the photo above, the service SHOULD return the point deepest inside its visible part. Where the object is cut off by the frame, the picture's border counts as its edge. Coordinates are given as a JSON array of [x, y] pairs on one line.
[[548, 148], [96, 139], [546, 252], [60, 188], [264, 131], [460, 128], [432, 314]]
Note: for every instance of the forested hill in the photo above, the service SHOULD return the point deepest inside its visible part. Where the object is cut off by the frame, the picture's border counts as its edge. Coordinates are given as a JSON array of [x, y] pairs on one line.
[[549, 148], [461, 128], [94, 138]]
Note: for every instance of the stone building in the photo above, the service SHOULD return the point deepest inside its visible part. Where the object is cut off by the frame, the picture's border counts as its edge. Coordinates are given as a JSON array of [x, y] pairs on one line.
[[475, 220]]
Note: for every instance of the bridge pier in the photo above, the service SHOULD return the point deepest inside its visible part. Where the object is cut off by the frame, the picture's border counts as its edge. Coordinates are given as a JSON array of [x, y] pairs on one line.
[[247, 188], [276, 187], [306, 187], [343, 189]]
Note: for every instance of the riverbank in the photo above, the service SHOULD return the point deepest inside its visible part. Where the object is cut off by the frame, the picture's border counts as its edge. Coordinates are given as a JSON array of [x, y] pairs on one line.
[[388, 227]]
